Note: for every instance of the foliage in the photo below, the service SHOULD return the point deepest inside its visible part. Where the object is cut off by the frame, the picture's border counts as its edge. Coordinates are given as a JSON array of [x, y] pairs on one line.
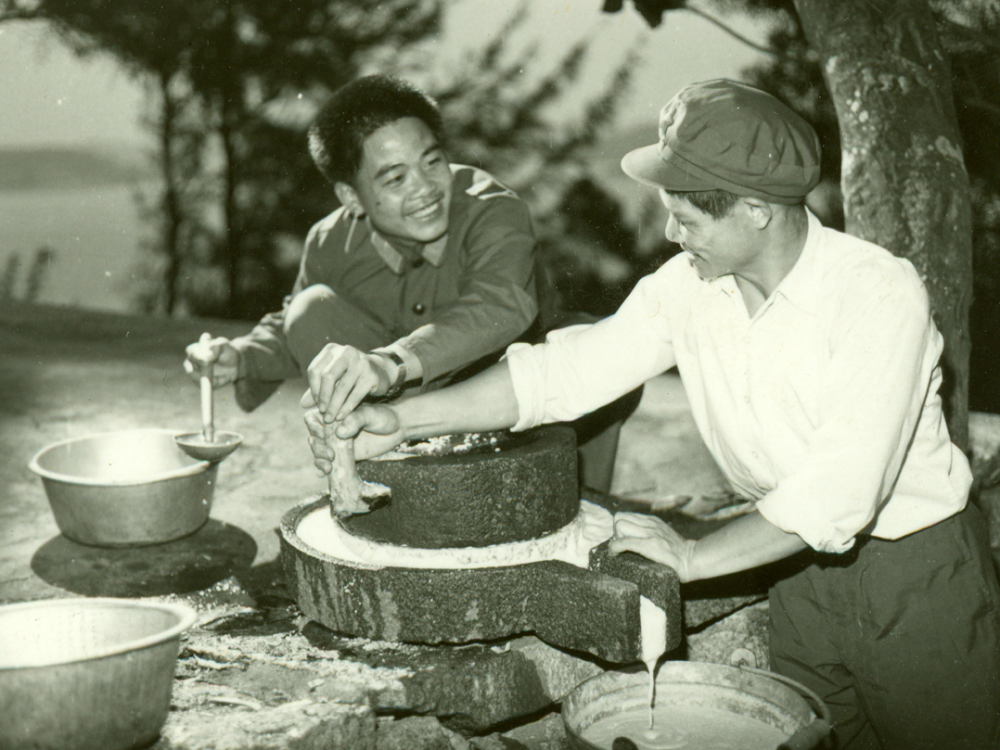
[[594, 255], [497, 119], [232, 86], [225, 79]]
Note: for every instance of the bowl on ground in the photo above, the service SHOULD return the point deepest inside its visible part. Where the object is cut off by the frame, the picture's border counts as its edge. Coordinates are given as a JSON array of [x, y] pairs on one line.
[[88, 674], [125, 489], [696, 705]]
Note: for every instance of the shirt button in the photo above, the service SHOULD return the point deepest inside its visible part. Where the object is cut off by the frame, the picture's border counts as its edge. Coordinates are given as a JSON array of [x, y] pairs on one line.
[[419, 309], [416, 262]]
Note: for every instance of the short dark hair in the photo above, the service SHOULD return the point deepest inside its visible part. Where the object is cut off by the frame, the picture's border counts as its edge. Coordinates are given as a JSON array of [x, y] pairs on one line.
[[716, 203], [358, 109]]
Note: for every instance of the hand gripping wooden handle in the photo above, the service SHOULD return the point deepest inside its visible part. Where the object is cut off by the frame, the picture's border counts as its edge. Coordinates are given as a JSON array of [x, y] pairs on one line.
[[345, 485]]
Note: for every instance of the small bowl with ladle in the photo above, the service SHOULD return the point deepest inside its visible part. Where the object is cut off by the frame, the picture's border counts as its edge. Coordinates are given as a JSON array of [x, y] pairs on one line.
[[207, 445]]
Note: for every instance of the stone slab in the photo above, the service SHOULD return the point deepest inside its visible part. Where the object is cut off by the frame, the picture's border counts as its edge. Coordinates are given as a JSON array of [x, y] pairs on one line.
[[301, 725], [417, 733], [656, 582], [739, 636], [235, 661]]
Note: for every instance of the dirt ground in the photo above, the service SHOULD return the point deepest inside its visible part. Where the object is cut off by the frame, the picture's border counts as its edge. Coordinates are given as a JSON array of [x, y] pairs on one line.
[[67, 373]]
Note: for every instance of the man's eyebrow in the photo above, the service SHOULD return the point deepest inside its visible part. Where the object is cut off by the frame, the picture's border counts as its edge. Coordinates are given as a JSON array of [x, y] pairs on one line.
[[390, 167]]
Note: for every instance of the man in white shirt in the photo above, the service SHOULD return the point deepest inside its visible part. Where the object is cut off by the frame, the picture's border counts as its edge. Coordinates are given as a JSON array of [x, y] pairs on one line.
[[811, 363]]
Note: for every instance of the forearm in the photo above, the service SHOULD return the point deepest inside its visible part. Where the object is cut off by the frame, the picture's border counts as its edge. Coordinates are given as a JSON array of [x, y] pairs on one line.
[[264, 353], [747, 542], [473, 327], [481, 403]]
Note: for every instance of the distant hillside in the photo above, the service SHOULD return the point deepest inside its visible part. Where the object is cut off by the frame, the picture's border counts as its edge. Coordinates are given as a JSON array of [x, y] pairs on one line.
[[55, 167]]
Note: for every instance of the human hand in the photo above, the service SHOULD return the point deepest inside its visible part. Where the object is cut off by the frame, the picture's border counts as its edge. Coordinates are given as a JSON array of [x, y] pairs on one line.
[[375, 429], [655, 540], [340, 377], [218, 352]]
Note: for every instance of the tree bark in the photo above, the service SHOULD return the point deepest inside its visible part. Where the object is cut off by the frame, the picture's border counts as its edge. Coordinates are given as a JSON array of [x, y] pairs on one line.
[[904, 181], [172, 214]]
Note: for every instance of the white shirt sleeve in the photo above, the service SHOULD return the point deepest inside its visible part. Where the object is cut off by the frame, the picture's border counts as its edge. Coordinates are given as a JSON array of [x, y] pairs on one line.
[[883, 349], [581, 368]]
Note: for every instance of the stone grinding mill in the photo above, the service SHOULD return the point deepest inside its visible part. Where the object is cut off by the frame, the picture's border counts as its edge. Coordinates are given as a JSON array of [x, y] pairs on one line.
[[484, 538]]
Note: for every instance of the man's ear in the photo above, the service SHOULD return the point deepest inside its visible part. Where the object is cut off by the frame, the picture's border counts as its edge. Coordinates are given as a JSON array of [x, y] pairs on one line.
[[348, 196], [758, 210]]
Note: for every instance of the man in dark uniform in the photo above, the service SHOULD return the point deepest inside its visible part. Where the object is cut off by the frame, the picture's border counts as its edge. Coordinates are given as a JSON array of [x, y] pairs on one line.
[[423, 275], [425, 268]]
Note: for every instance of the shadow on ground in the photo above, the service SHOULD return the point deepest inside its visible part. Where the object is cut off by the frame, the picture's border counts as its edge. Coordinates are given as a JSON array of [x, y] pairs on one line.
[[198, 561]]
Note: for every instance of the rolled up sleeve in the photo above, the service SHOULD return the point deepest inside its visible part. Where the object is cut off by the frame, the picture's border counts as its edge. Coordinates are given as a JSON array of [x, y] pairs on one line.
[[872, 396], [580, 368]]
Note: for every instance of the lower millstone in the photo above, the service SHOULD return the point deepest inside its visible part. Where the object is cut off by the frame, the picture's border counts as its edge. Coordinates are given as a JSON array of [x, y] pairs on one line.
[[594, 609], [524, 489]]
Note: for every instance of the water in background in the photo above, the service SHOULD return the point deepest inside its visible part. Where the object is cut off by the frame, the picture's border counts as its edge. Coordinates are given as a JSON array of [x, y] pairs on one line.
[[79, 246]]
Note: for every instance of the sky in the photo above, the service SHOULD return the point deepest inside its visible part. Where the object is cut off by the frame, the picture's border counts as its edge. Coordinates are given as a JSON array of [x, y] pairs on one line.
[[50, 97]]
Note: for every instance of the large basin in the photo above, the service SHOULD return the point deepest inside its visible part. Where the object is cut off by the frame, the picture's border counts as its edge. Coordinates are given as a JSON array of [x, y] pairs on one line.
[[87, 674], [126, 488]]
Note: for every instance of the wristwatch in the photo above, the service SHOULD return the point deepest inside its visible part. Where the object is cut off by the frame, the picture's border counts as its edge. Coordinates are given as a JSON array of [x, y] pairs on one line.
[[397, 387]]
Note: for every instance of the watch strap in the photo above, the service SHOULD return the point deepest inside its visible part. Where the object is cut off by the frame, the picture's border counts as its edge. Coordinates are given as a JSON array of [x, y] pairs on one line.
[[397, 387]]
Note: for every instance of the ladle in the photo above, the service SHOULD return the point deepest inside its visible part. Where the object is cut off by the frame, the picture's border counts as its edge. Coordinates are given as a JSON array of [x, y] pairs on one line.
[[208, 445]]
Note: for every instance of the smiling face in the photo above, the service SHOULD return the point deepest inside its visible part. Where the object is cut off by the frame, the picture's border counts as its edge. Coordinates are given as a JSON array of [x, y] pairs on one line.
[[715, 247], [404, 183]]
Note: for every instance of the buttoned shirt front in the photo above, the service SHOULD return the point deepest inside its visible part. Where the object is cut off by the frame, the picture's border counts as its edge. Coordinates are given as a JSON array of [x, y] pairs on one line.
[[823, 406], [447, 303]]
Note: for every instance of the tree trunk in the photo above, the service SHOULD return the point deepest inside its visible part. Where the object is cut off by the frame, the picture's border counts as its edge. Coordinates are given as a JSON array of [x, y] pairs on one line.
[[230, 93], [233, 240], [171, 208], [904, 181]]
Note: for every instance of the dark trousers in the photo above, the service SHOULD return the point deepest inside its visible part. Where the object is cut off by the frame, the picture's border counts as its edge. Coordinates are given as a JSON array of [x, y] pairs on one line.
[[900, 638]]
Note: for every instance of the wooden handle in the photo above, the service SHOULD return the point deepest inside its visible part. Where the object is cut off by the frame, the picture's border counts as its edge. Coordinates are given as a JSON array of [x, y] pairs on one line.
[[345, 485], [207, 407]]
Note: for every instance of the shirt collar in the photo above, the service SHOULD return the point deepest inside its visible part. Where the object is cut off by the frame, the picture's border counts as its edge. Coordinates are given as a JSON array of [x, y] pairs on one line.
[[800, 285], [432, 252]]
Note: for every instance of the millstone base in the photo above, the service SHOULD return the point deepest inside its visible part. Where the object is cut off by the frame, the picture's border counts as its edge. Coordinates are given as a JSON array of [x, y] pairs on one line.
[[595, 610]]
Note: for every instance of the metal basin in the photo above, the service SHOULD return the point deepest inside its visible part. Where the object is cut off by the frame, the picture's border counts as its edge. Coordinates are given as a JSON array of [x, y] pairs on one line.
[[88, 674], [125, 489], [699, 706]]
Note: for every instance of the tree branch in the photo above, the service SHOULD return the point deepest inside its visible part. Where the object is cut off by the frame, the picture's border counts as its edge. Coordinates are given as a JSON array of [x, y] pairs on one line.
[[810, 57], [981, 104], [969, 34]]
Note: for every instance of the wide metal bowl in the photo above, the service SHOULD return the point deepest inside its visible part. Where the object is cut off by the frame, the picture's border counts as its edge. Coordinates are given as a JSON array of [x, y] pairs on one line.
[[87, 674], [125, 489], [711, 705]]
